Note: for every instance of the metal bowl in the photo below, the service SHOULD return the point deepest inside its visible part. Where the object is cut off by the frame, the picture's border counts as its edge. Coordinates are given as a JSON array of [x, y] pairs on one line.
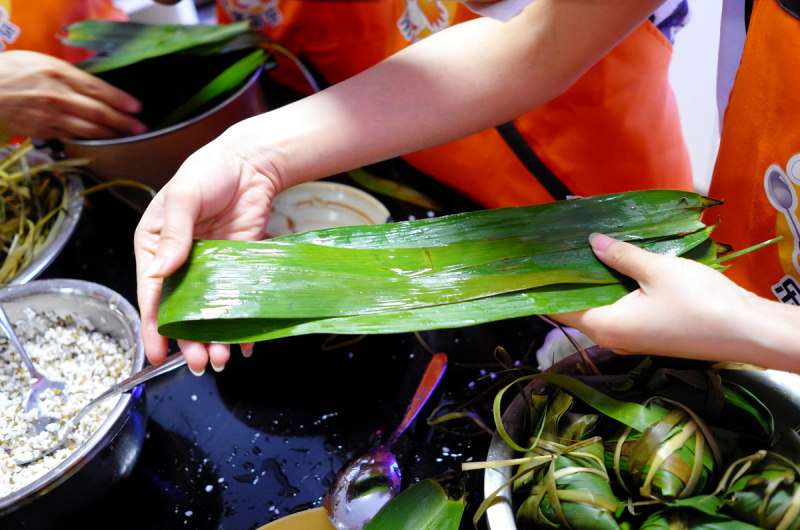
[[63, 227], [780, 391], [110, 453]]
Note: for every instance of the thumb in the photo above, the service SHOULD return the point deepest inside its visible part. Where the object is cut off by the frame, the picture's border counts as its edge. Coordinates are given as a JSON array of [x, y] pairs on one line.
[[628, 259], [174, 237]]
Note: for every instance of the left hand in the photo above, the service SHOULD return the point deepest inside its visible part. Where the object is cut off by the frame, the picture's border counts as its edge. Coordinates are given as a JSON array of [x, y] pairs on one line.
[[216, 194], [45, 97]]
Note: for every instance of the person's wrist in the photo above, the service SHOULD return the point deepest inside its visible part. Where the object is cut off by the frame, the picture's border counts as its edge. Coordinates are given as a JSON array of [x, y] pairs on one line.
[[766, 333]]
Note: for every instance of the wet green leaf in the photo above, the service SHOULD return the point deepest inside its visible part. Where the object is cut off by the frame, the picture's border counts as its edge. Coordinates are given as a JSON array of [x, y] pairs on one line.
[[121, 44], [435, 273], [424, 505]]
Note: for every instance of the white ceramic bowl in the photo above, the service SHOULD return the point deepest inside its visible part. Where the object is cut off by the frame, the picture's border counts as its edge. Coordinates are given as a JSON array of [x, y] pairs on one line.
[[320, 205]]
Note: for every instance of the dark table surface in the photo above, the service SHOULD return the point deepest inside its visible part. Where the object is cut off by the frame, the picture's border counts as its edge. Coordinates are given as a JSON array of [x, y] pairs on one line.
[[266, 437]]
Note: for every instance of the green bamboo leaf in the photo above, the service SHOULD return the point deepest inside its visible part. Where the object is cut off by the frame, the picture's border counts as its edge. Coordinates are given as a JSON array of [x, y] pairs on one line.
[[545, 300], [548, 411], [241, 275], [634, 415], [424, 505], [286, 293], [123, 43], [666, 457], [249, 40], [764, 488], [747, 402], [708, 504], [711, 391], [680, 518], [226, 82], [574, 490], [386, 269], [561, 224]]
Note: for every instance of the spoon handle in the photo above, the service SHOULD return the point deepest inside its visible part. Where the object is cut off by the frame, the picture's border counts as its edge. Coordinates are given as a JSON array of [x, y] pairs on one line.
[[430, 379], [172, 362], [8, 329]]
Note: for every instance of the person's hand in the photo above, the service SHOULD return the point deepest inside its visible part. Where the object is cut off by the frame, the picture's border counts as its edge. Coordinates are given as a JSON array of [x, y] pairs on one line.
[[216, 194], [45, 97], [681, 309]]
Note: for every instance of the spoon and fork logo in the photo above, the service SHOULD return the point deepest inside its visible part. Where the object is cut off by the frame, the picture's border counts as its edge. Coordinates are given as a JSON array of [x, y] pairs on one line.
[[782, 194]]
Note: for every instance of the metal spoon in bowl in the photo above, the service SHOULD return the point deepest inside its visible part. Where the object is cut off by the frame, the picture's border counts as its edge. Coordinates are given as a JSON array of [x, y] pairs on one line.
[[39, 383], [370, 481], [176, 360]]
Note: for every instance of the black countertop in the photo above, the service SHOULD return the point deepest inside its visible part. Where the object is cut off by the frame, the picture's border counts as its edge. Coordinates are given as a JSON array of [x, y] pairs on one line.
[[265, 437]]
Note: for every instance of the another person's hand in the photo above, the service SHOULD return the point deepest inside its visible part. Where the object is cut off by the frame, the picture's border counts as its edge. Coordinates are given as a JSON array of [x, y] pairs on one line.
[[45, 97], [216, 194], [685, 309]]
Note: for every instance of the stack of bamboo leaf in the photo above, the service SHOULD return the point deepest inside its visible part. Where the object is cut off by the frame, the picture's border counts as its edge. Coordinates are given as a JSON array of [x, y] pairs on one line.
[[176, 71], [450, 271]]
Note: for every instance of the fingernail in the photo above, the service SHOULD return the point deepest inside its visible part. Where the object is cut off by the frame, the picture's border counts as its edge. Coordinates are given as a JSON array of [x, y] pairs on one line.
[[154, 270], [199, 372], [138, 128], [217, 368], [247, 349], [599, 241], [132, 106]]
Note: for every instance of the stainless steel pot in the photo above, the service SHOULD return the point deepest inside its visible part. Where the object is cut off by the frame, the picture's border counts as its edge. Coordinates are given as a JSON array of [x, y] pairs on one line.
[[154, 157]]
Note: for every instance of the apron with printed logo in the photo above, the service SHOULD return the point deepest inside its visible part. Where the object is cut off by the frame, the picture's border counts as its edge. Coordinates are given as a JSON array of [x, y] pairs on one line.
[[616, 129], [335, 39], [757, 174], [36, 24]]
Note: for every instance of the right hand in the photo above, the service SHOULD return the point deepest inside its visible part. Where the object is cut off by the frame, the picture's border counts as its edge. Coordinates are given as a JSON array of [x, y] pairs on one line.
[[216, 194], [686, 309], [45, 97]]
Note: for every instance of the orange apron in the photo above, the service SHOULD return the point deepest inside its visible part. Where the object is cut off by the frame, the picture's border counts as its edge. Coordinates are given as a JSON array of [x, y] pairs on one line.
[[757, 173], [336, 39], [35, 24], [616, 129]]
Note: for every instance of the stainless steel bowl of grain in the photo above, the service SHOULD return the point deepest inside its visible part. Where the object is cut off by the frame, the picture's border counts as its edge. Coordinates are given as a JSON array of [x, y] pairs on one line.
[[779, 391], [109, 454]]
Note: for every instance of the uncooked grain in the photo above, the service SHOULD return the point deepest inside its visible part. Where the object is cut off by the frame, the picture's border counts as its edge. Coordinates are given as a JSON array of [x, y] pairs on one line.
[[63, 349]]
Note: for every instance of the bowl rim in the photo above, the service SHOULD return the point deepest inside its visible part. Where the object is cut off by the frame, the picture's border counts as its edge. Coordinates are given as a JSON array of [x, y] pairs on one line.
[[355, 199], [500, 515], [125, 403], [172, 128]]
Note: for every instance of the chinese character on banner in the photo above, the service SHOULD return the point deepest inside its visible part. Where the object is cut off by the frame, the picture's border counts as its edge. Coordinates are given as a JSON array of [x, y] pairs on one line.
[[787, 290]]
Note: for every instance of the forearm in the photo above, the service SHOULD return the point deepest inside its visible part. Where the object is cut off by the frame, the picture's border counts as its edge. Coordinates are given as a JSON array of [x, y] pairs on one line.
[[767, 334], [467, 78]]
